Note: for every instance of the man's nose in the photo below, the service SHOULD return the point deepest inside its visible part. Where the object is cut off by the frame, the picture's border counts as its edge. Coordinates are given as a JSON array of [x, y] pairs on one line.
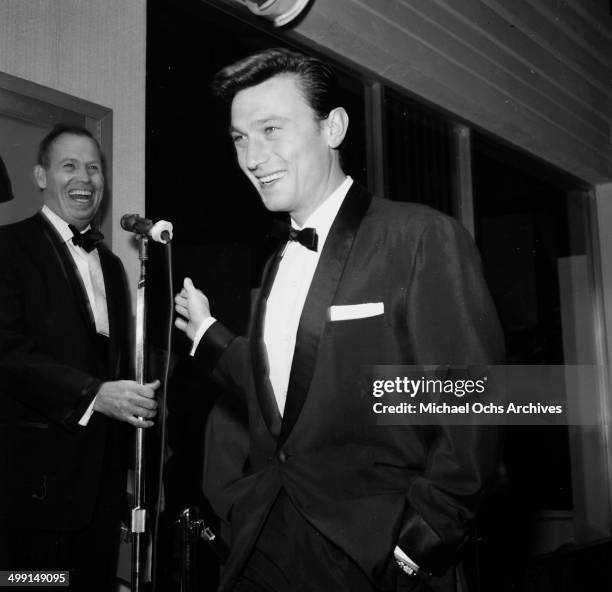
[[256, 154], [82, 174]]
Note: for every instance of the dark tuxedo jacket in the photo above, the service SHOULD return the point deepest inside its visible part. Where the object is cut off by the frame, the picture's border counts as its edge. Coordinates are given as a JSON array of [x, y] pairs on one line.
[[366, 487], [52, 363]]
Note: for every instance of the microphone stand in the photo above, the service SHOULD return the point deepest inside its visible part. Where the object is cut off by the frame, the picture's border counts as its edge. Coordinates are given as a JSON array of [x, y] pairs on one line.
[[161, 232], [138, 525]]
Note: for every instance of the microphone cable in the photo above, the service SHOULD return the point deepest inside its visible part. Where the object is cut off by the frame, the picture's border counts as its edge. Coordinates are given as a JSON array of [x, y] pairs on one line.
[[163, 415]]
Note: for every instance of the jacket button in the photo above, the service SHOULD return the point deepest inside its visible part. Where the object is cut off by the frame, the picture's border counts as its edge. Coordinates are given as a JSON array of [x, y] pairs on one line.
[[282, 456]]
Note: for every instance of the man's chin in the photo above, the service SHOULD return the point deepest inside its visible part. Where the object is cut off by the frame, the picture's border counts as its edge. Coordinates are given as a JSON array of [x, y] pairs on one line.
[[83, 218], [274, 203]]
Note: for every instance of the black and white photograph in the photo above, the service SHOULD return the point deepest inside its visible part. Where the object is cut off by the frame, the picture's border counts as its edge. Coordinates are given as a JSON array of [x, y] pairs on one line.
[[306, 295]]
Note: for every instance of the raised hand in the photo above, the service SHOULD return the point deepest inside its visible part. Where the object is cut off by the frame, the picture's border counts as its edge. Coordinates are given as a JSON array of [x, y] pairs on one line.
[[192, 307]]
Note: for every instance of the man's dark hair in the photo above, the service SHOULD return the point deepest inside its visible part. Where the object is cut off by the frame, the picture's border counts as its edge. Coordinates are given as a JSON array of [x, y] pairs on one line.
[[44, 148], [316, 79]]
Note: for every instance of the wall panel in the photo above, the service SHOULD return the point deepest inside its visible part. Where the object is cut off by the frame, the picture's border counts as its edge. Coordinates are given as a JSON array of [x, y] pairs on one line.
[[95, 51]]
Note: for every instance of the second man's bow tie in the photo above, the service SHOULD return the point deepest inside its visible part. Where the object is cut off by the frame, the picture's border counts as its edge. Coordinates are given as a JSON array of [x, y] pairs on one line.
[[307, 236], [87, 240]]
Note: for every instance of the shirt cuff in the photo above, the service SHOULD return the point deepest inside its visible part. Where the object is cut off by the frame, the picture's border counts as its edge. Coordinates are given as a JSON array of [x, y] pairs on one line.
[[200, 333], [88, 413], [402, 557]]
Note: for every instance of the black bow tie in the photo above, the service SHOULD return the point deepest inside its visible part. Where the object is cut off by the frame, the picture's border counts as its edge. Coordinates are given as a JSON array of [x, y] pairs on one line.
[[307, 236], [87, 240]]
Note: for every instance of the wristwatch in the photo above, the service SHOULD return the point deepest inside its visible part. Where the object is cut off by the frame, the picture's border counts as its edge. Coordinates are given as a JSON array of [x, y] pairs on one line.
[[406, 568], [404, 562]]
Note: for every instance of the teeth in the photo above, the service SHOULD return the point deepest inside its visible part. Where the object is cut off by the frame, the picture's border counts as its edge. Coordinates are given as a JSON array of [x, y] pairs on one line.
[[80, 192], [270, 178]]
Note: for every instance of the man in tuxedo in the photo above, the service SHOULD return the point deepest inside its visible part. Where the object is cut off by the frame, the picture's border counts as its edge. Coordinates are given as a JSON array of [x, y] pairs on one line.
[[64, 410], [323, 498]]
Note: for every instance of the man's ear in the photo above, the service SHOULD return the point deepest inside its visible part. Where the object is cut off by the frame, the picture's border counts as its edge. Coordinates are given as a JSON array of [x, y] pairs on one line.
[[40, 176], [337, 125]]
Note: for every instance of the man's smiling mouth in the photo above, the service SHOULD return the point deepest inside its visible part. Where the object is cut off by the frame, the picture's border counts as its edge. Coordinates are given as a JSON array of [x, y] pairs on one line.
[[267, 180], [80, 195]]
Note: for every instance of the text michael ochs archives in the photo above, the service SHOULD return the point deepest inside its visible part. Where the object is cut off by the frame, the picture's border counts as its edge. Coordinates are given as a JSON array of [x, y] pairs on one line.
[[458, 388], [525, 395]]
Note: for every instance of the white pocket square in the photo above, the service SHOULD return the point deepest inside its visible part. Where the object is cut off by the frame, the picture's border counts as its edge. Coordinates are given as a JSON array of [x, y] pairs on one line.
[[347, 312]]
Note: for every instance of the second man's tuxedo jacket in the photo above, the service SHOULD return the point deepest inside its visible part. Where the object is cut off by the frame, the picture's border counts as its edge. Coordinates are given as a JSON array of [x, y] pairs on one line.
[[51, 366], [366, 487]]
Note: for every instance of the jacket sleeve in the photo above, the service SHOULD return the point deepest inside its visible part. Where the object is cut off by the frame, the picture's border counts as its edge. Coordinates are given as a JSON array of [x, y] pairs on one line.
[[451, 322], [225, 356]]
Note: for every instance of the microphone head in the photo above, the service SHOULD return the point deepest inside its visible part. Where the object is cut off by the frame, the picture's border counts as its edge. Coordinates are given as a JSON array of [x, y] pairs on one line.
[[136, 223], [126, 221]]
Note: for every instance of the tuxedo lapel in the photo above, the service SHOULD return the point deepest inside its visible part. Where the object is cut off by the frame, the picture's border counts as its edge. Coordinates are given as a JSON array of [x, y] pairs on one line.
[[320, 296], [261, 369], [115, 329], [69, 271]]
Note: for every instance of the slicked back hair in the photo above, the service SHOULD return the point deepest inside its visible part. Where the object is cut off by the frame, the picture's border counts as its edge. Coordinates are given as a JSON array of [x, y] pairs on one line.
[[316, 79], [44, 148]]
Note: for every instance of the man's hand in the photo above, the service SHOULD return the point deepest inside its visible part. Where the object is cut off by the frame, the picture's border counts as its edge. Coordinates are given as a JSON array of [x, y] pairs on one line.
[[128, 401], [193, 308]]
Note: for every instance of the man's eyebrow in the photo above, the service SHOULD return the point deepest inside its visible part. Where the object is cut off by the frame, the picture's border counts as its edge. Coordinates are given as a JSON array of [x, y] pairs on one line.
[[265, 120], [75, 159], [261, 121]]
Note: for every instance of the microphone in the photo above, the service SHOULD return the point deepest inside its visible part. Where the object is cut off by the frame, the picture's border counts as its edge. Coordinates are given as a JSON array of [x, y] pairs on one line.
[[160, 232]]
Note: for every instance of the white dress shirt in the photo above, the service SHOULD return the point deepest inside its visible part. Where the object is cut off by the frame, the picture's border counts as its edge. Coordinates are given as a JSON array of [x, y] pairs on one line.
[[90, 271], [89, 268], [289, 290]]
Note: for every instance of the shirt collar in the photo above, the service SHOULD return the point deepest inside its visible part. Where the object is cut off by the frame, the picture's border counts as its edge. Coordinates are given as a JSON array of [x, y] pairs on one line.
[[323, 217], [59, 223]]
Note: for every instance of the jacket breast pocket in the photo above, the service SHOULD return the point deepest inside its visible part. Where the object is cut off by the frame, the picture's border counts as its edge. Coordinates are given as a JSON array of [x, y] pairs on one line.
[[352, 345]]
